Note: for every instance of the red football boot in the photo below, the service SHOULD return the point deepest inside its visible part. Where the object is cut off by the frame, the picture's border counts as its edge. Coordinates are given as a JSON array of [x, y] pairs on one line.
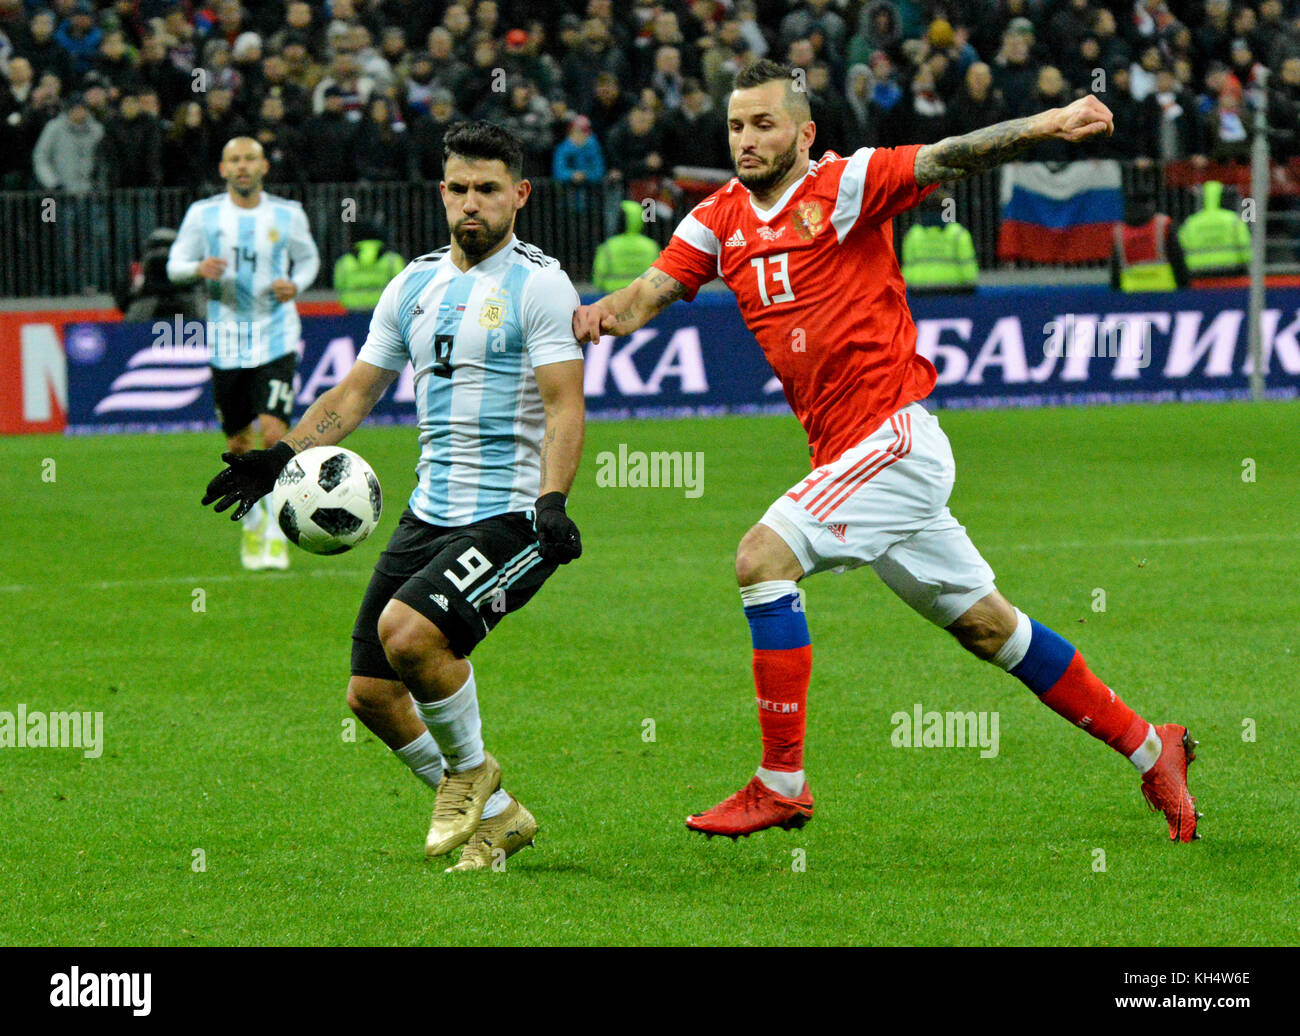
[[753, 808], [1165, 784]]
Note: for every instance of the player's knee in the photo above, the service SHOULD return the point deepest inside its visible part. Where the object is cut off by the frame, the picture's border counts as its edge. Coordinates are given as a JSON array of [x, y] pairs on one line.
[[763, 555], [366, 696], [411, 642]]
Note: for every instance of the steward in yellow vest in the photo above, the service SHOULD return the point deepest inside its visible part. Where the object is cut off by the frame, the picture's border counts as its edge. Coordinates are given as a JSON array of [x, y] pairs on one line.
[[937, 255], [361, 276], [1146, 256], [1215, 240]]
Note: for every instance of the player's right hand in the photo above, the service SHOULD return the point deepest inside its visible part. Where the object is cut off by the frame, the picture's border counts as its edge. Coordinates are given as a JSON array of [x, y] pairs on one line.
[[590, 322], [212, 268], [247, 478]]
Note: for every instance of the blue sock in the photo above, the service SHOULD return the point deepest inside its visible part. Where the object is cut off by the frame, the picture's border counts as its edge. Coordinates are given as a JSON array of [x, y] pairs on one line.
[[778, 625], [1049, 655]]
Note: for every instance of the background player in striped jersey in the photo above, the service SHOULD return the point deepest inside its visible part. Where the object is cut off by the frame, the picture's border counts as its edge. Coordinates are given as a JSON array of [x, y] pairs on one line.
[[256, 253], [808, 251], [487, 324]]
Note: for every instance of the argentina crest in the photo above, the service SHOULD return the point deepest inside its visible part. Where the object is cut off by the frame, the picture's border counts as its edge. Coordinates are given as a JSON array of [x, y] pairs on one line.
[[493, 312]]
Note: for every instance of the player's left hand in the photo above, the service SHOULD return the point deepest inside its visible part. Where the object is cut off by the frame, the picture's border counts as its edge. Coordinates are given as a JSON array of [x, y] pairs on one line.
[[247, 478], [558, 538], [283, 289], [1084, 118]]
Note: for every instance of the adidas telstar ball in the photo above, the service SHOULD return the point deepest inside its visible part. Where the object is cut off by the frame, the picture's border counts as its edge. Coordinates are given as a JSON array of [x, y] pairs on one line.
[[327, 500]]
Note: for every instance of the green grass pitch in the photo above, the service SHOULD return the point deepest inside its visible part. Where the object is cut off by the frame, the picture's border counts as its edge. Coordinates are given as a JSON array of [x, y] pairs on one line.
[[223, 728]]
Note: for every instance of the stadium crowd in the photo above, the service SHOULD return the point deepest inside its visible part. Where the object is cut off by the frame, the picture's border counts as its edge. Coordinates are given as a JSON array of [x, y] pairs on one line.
[[146, 92]]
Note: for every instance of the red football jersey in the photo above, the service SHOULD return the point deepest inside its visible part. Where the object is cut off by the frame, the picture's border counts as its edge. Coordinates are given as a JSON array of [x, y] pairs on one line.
[[819, 286]]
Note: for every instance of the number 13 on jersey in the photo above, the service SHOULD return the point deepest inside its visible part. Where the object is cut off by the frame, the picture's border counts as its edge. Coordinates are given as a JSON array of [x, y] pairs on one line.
[[775, 267]]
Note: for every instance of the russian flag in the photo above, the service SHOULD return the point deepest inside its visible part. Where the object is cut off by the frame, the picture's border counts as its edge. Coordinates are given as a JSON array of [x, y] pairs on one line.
[[1053, 213]]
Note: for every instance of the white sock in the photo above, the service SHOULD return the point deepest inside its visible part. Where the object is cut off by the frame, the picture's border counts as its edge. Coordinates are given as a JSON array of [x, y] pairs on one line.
[[1145, 757], [424, 759], [496, 805], [1012, 653], [455, 725], [784, 783], [273, 530], [256, 517]]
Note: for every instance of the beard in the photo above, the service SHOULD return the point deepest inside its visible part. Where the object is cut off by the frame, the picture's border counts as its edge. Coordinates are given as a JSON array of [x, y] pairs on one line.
[[763, 180], [477, 242]]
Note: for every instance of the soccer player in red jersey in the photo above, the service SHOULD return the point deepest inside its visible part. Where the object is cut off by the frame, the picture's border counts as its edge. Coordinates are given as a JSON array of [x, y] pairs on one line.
[[807, 248]]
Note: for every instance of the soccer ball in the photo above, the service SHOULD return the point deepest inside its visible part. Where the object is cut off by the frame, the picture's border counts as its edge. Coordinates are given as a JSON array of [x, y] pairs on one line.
[[327, 500]]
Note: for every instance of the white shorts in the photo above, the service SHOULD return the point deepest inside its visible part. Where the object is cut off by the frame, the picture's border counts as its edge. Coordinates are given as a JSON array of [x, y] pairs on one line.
[[884, 503]]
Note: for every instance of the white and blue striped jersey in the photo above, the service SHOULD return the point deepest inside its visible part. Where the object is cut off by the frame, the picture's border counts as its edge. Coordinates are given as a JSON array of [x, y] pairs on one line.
[[247, 327], [474, 340]]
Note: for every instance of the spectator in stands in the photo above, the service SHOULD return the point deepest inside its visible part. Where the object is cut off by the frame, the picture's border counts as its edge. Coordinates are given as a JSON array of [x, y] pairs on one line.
[[149, 293], [383, 153], [1082, 60], [131, 147], [449, 68], [301, 69], [922, 115], [187, 147], [523, 59], [636, 151], [115, 63], [723, 60], [666, 80], [475, 89], [1114, 48], [66, 157], [1142, 73], [1171, 120], [879, 29], [157, 71], [1214, 35], [44, 51], [80, 37], [417, 86], [246, 61], [1014, 74], [1273, 32], [665, 31], [1283, 107], [527, 114], [815, 16], [94, 91], [427, 133], [863, 116], [328, 142], [696, 134], [1052, 91], [595, 54], [609, 105], [1065, 28], [281, 142], [395, 53], [300, 24], [1228, 136], [455, 19], [224, 122], [19, 128], [977, 103], [275, 82], [1130, 139], [1243, 63], [579, 158], [353, 88], [371, 63]]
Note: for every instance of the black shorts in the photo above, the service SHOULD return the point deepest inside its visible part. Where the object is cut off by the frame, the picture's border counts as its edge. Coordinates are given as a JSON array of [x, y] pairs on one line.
[[464, 580], [244, 393]]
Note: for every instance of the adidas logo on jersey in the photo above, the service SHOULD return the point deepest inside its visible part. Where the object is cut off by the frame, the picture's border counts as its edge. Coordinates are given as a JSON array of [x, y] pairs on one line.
[[736, 240], [417, 311], [838, 531], [439, 600]]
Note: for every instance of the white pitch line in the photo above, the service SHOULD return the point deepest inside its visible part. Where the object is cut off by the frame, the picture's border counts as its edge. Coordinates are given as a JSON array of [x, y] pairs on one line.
[[350, 573]]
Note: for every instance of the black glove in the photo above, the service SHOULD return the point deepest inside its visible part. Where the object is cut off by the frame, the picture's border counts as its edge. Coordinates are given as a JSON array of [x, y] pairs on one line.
[[557, 536], [249, 477]]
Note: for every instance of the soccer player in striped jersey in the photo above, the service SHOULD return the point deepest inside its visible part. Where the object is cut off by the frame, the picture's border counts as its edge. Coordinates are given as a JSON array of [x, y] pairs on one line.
[[487, 324], [808, 250], [256, 253]]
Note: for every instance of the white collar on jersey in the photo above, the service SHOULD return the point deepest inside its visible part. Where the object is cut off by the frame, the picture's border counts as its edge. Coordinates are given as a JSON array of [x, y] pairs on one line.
[[490, 263], [767, 215]]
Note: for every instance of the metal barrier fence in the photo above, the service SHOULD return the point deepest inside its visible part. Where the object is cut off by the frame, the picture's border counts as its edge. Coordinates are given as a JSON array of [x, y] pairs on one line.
[[63, 245]]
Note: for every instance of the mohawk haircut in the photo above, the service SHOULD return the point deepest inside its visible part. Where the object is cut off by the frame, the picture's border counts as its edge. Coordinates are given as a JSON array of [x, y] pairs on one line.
[[483, 140], [767, 71]]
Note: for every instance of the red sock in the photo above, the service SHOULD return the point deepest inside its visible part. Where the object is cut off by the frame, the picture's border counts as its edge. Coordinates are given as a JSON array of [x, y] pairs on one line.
[[1087, 702], [781, 680]]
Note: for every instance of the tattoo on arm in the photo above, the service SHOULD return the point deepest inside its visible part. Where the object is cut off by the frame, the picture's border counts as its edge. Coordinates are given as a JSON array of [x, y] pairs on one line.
[[306, 440], [955, 157], [547, 440], [665, 290]]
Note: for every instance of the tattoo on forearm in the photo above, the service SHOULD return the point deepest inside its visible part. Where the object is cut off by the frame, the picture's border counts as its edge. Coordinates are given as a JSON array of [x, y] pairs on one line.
[[547, 440], [306, 440], [955, 157], [330, 419]]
